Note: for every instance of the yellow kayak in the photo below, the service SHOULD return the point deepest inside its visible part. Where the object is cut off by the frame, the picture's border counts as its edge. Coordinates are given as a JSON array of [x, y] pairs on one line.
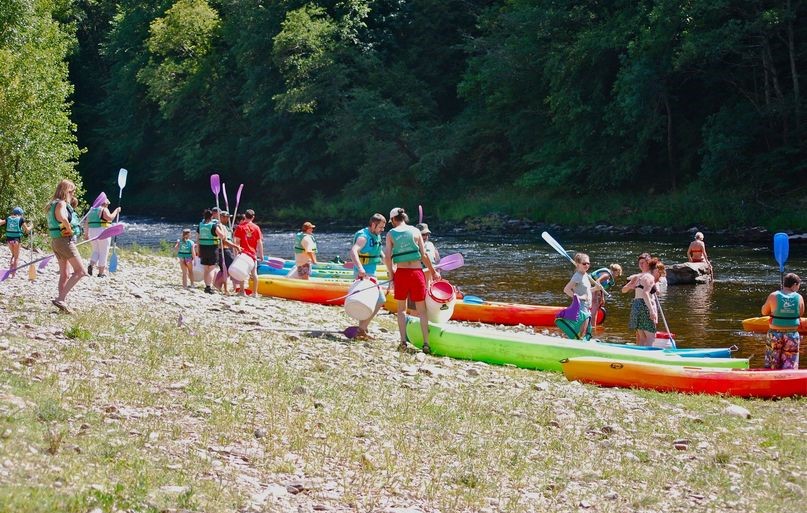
[[760, 324]]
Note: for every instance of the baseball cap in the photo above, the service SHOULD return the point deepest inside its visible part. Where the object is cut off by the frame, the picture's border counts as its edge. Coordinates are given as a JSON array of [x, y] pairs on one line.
[[395, 212], [308, 224]]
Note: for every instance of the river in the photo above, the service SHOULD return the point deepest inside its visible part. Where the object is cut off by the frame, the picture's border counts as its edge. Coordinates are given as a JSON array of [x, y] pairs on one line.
[[524, 269]]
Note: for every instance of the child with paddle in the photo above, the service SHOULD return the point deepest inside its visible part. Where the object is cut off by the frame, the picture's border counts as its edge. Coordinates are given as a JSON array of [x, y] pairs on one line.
[[63, 227], [186, 252], [580, 286], [16, 227], [785, 307]]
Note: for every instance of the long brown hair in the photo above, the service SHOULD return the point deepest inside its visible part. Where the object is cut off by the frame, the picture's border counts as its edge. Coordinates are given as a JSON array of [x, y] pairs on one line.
[[61, 192]]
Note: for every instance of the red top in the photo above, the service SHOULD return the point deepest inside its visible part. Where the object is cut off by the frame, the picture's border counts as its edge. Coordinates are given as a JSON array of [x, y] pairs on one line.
[[249, 236]]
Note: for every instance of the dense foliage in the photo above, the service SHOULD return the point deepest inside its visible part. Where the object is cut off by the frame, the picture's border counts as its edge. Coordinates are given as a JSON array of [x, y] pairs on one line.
[[346, 106], [37, 140]]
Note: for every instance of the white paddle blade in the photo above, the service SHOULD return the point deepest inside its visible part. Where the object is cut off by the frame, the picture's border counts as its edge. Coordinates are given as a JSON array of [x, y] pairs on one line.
[[122, 174]]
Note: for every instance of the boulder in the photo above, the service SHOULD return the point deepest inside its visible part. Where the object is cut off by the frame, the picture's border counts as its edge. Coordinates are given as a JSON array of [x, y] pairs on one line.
[[689, 273]]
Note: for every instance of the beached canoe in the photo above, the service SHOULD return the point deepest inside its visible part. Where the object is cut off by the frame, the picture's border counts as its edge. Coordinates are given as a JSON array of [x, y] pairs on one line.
[[494, 312], [316, 272], [535, 351], [609, 372], [315, 290], [760, 324]]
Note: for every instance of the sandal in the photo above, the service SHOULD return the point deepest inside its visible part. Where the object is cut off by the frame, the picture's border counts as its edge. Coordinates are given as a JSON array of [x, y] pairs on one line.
[[61, 306], [427, 348]]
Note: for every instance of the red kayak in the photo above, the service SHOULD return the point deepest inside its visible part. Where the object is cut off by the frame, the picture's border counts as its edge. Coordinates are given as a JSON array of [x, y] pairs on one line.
[[762, 383]]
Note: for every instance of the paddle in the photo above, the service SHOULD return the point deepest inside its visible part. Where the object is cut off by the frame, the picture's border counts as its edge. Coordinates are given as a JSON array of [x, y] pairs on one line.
[[226, 203], [557, 247], [113, 261], [32, 268], [349, 332], [237, 200], [447, 263], [277, 263], [374, 285], [112, 231], [215, 186], [781, 250], [666, 326], [100, 199]]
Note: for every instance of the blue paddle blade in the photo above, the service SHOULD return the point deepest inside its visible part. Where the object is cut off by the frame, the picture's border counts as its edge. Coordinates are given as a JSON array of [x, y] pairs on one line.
[[113, 262], [781, 249]]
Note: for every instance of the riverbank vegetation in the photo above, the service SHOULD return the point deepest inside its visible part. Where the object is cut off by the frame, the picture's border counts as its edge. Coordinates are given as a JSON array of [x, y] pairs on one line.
[[157, 398], [625, 110]]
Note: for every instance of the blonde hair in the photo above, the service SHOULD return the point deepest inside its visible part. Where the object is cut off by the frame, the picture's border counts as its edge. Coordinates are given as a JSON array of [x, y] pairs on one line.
[[578, 257], [699, 236], [62, 190], [616, 270]]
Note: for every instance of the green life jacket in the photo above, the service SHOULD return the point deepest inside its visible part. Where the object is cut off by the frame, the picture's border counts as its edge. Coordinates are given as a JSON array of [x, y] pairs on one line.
[[185, 249], [606, 283], [298, 243], [95, 219], [14, 227], [371, 252], [207, 233], [786, 313], [404, 248], [54, 228]]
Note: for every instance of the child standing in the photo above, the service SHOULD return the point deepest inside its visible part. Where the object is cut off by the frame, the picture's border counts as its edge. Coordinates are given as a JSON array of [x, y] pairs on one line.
[[186, 252], [606, 278], [580, 286], [16, 227]]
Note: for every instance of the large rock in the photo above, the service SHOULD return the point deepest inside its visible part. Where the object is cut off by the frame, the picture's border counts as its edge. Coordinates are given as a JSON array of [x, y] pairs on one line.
[[689, 273]]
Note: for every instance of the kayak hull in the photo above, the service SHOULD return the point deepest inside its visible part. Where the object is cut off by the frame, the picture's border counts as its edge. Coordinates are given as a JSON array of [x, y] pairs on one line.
[[695, 380], [493, 312], [536, 351], [311, 291], [760, 324]]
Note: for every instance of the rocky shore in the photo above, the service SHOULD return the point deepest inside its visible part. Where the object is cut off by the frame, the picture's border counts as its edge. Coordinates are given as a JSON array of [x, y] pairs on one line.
[[151, 397]]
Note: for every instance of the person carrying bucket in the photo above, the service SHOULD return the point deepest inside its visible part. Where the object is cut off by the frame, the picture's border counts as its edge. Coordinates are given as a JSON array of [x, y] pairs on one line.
[[16, 227], [405, 251], [248, 235], [366, 253]]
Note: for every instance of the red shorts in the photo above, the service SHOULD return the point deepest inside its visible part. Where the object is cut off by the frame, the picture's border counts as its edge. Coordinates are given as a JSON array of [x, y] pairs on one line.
[[410, 283]]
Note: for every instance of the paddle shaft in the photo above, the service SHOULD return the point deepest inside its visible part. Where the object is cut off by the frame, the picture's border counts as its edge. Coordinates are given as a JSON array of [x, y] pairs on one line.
[[666, 326], [557, 247]]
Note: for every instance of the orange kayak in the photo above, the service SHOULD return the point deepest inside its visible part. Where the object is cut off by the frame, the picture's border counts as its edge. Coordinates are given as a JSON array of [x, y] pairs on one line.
[[493, 312], [326, 292], [760, 324], [609, 372]]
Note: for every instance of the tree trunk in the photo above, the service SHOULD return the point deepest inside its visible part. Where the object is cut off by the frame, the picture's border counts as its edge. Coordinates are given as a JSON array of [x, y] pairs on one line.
[[791, 47]]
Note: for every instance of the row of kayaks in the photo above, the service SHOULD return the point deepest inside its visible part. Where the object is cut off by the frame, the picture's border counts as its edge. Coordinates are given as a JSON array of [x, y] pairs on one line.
[[689, 371], [696, 370]]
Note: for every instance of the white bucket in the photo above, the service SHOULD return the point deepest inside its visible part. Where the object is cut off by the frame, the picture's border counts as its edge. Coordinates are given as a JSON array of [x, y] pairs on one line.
[[198, 270], [440, 301], [663, 339], [362, 299], [241, 268]]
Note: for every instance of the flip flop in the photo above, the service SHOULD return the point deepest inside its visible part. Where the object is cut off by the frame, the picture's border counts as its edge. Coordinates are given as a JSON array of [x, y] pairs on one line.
[[61, 306]]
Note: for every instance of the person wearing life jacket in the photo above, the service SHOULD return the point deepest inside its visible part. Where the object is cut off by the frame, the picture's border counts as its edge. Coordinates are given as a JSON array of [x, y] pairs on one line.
[[366, 253], [606, 277], [403, 255], [305, 252], [431, 249], [99, 219], [16, 227], [63, 228], [208, 236], [186, 252], [786, 307]]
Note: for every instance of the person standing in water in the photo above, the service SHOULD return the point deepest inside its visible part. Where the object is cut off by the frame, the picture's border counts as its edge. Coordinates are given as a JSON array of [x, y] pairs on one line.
[[643, 313], [786, 307], [405, 251], [366, 253], [63, 227]]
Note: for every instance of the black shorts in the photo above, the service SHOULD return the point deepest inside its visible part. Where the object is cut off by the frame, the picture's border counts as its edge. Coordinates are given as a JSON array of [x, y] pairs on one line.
[[228, 258], [209, 255]]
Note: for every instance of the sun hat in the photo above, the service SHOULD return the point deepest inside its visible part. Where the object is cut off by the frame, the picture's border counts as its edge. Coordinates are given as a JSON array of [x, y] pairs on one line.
[[424, 228]]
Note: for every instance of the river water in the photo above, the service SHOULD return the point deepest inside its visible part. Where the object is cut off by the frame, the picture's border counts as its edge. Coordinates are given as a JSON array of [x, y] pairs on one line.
[[524, 269]]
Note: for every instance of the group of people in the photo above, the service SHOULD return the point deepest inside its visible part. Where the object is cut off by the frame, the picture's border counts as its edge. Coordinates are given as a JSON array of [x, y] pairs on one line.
[[218, 242], [410, 258]]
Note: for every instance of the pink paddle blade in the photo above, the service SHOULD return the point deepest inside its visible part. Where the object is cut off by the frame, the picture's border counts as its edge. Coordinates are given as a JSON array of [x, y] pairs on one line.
[[44, 263], [215, 184]]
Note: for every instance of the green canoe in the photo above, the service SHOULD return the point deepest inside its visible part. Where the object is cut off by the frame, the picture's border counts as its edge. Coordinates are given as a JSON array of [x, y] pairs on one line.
[[534, 351]]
